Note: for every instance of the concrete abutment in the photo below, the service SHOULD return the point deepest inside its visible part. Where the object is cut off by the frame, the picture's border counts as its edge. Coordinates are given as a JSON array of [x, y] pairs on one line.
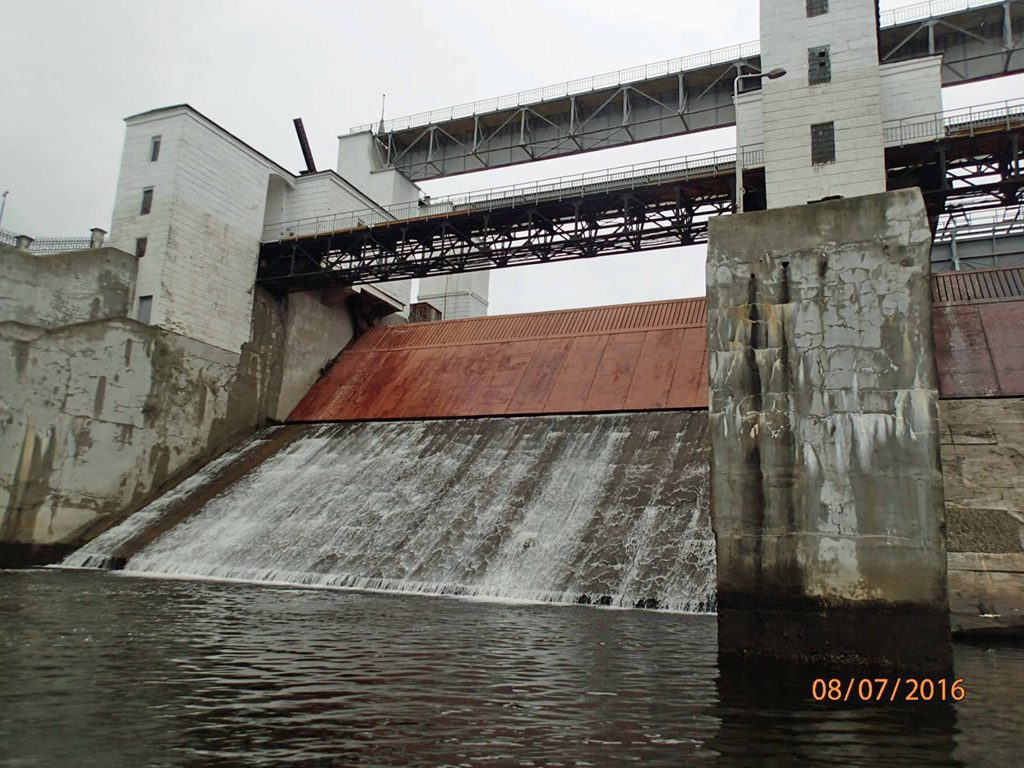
[[826, 487]]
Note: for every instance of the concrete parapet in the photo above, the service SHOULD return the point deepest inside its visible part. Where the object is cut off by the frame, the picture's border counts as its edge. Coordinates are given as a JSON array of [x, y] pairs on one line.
[[826, 490]]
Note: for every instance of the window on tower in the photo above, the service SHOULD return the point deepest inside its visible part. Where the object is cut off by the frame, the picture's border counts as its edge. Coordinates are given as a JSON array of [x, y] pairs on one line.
[[819, 65], [816, 7], [823, 143], [147, 201]]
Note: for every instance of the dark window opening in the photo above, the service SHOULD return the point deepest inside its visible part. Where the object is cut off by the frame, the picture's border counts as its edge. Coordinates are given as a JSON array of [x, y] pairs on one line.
[[823, 143], [819, 65], [140, 246], [817, 7], [145, 308], [154, 149], [147, 201]]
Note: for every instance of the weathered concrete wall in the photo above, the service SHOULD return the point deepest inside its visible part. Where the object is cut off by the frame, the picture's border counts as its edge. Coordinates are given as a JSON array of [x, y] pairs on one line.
[[50, 291], [983, 473], [826, 490], [317, 327], [95, 417]]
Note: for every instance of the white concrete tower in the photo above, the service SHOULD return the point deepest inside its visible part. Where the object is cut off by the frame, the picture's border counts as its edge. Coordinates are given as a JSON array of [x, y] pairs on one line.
[[823, 120], [457, 296]]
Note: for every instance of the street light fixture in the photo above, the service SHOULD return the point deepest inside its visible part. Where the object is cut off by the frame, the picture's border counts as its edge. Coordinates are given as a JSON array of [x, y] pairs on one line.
[[773, 74]]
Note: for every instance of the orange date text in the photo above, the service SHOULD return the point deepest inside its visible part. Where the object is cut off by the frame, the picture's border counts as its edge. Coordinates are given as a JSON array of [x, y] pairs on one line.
[[887, 689]]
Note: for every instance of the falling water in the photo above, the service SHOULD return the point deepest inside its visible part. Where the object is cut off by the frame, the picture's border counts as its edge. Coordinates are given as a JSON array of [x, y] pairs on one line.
[[609, 509]]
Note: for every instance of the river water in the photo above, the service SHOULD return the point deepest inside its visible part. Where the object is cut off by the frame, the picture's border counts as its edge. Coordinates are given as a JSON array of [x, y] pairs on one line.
[[102, 669]]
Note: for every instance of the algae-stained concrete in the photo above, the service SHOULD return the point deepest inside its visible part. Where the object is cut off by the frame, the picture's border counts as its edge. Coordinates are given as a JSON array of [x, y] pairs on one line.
[[66, 288], [97, 417], [826, 490], [982, 445]]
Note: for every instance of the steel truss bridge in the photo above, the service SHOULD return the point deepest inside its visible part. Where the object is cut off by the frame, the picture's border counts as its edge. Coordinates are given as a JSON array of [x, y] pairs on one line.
[[978, 39], [964, 161]]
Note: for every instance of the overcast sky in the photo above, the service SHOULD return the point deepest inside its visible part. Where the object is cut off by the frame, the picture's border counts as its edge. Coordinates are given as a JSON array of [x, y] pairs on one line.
[[72, 70]]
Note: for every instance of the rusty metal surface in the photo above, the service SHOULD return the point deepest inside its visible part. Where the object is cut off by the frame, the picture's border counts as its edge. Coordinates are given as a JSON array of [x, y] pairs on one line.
[[632, 357], [978, 285], [979, 349], [978, 320]]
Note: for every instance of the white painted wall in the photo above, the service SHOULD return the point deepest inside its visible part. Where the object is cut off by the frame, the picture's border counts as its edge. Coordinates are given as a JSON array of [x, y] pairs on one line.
[[749, 126], [209, 203], [457, 296], [852, 100], [912, 93], [360, 165]]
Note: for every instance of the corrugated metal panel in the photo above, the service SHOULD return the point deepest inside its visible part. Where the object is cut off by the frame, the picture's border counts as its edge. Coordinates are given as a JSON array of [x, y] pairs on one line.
[[979, 348], [630, 357], [978, 285]]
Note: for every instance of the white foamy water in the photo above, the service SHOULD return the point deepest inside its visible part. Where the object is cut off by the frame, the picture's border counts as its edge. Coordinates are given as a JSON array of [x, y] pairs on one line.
[[606, 508]]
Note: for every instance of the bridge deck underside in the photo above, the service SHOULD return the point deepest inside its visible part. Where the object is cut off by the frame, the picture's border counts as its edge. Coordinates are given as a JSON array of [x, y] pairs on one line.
[[969, 172], [977, 44]]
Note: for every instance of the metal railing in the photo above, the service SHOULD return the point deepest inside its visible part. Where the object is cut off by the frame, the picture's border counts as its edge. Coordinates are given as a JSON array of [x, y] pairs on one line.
[[570, 88], [974, 225], [49, 246], [915, 12], [927, 10], [969, 120], [553, 189]]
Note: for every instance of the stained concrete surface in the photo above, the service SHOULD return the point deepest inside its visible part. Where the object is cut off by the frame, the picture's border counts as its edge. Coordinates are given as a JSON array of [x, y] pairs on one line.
[[66, 288], [826, 491]]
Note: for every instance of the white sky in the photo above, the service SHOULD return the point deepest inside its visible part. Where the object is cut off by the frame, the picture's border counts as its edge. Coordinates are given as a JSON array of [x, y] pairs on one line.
[[72, 70]]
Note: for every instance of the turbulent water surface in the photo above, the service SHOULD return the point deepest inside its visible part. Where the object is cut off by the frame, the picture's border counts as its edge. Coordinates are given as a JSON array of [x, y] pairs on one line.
[[599, 508], [100, 669]]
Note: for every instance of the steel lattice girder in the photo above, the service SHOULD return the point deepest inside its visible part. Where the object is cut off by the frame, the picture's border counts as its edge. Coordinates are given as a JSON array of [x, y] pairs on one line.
[[625, 221], [964, 173], [976, 44], [977, 172]]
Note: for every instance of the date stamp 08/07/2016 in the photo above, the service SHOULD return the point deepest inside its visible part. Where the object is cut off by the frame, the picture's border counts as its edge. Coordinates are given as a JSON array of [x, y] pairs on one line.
[[888, 689]]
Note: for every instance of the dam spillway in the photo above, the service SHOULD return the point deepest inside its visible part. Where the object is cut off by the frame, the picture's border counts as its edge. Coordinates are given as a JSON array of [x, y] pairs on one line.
[[556, 456], [608, 509]]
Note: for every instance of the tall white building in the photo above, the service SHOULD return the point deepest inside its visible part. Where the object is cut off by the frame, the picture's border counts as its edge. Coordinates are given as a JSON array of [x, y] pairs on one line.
[[821, 124]]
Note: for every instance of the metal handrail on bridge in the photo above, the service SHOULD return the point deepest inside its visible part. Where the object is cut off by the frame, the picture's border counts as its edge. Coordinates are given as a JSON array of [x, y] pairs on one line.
[[927, 10], [677, 65], [975, 225], [571, 88], [553, 189], [982, 117]]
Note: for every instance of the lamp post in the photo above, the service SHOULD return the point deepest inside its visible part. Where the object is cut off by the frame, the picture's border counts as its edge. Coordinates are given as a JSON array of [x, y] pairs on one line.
[[774, 74], [3, 204]]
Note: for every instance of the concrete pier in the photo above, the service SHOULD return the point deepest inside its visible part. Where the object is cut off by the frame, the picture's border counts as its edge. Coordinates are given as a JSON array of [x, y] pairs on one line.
[[827, 499]]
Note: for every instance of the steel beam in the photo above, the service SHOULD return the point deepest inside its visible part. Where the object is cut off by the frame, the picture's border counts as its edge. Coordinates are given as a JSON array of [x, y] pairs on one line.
[[667, 99]]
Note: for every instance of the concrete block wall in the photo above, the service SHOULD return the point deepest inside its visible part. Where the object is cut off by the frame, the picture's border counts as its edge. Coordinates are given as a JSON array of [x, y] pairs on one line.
[[908, 89], [98, 416], [982, 446], [457, 296], [51, 291], [852, 100], [204, 229], [911, 89], [322, 194]]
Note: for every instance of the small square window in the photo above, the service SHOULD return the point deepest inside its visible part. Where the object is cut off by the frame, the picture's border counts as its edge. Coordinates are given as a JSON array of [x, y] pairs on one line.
[[147, 201], [145, 309], [819, 65], [140, 246], [816, 7], [154, 149], [823, 143]]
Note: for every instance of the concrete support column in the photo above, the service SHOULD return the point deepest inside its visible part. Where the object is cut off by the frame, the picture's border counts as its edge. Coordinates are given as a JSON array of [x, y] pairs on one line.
[[826, 490]]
